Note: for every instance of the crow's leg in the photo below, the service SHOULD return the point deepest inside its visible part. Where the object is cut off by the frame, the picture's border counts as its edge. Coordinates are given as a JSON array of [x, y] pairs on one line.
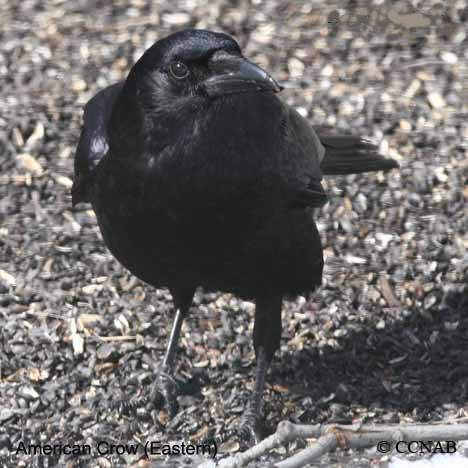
[[165, 387], [267, 336], [164, 390]]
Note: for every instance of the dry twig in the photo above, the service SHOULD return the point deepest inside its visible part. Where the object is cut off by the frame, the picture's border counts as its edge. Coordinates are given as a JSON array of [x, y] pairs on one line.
[[331, 436]]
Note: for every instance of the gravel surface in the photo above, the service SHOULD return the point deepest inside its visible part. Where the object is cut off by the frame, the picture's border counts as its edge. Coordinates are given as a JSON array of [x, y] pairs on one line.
[[386, 337]]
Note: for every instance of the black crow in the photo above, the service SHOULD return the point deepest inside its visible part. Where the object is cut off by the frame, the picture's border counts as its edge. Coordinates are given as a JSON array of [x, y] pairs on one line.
[[200, 175]]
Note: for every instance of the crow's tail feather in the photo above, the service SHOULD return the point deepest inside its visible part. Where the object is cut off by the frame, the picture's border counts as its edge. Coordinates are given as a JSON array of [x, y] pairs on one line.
[[352, 155]]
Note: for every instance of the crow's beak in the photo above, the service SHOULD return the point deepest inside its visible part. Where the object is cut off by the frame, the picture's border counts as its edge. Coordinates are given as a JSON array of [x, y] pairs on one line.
[[234, 74]]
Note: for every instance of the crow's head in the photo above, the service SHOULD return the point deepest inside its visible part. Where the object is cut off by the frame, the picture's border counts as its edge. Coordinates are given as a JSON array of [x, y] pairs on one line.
[[195, 64]]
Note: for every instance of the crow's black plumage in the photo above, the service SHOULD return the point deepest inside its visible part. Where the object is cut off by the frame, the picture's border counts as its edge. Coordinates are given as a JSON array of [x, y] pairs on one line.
[[201, 176]]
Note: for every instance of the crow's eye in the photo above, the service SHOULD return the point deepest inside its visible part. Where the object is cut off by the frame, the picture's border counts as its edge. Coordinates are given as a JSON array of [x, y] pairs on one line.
[[179, 70]]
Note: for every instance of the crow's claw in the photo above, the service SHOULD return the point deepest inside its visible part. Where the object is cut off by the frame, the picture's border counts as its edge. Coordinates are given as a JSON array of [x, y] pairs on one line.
[[163, 394], [249, 432]]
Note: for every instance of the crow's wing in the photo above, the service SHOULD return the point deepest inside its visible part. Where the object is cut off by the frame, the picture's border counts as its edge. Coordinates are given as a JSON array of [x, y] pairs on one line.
[[348, 154], [317, 152], [304, 156], [93, 143]]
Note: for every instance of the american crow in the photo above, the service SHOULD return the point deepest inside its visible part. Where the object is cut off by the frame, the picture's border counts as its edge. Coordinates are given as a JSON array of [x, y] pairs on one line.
[[200, 175]]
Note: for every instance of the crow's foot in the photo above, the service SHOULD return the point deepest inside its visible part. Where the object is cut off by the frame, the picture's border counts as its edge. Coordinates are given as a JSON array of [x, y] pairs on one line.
[[163, 394], [248, 432]]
